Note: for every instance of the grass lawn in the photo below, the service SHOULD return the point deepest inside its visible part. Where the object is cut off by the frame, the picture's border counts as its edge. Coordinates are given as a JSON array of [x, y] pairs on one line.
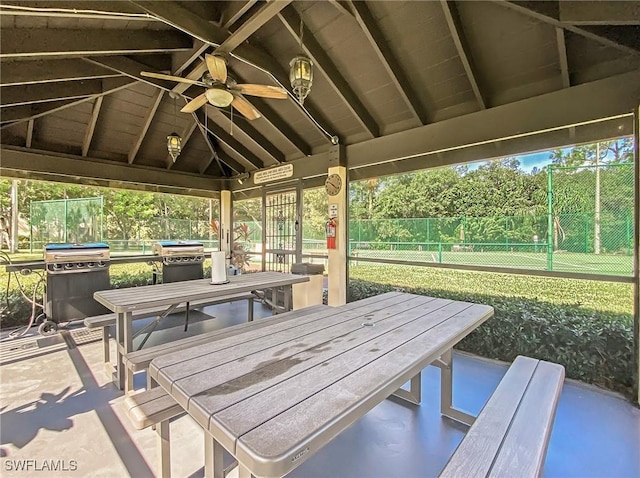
[[606, 297], [561, 261]]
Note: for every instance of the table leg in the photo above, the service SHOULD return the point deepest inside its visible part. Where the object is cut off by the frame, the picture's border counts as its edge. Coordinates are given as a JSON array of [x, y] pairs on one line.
[[446, 391], [124, 338], [213, 465], [287, 298], [414, 394], [119, 344], [243, 472]]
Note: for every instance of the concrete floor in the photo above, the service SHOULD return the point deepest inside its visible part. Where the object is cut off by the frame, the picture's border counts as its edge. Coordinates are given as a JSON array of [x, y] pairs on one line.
[[58, 409]]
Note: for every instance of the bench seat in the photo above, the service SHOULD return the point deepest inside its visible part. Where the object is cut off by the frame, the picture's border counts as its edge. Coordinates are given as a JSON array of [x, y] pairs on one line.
[[510, 435], [104, 321], [150, 408], [154, 407], [139, 360]]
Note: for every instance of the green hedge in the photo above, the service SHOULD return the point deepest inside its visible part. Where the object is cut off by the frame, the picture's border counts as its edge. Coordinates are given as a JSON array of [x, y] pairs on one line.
[[594, 347]]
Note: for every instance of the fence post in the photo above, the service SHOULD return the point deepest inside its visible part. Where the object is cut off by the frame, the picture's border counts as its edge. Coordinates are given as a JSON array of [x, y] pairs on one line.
[[439, 252], [549, 218]]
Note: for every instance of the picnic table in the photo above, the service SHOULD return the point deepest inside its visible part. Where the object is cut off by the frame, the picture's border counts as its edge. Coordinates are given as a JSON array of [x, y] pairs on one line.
[[275, 394], [124, 302]]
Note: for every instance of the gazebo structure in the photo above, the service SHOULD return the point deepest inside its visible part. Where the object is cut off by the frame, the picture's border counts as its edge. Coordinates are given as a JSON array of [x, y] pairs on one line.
[[397, 87]]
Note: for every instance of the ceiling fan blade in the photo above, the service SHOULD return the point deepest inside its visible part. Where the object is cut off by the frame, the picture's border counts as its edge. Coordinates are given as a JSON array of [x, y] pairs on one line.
[[160, 76], [244, 107], [265, 91], [194, 104], [217, 67]]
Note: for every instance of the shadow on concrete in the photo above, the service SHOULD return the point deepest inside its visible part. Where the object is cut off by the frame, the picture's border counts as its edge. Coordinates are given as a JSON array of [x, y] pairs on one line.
[[19, 426]]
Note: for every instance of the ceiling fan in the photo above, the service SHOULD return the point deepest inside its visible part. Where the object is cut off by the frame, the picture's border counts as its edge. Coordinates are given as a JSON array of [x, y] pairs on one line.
[[222, 90]]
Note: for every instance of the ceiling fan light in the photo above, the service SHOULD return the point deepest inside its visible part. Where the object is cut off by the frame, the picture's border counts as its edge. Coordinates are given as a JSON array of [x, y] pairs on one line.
[[219, 97], [174, 145], [301, 76]]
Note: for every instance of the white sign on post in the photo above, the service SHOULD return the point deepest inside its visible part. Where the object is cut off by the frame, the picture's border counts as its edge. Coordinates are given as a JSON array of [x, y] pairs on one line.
[[273, 174], [333, 211]]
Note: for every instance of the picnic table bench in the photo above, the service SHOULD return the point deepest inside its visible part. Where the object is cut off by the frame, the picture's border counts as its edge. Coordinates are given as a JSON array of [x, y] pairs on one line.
[[154, 406], [511, 434], [105, 321], [129, 301], [272, 397]]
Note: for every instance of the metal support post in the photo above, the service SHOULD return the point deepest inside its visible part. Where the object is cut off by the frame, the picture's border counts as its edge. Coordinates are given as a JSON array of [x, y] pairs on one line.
[[446, 391], [165, 449], [213, 451], [414, 394]]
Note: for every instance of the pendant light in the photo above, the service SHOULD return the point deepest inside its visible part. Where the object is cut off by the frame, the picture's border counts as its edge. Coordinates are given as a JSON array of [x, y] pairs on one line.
[[301, 72], [174, 141]]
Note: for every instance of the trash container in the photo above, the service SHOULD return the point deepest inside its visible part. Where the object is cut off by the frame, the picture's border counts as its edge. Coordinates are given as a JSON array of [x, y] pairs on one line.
[[309, 293]]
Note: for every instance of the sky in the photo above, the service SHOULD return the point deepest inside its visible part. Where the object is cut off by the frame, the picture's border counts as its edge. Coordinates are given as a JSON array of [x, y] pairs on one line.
[[527, 161]]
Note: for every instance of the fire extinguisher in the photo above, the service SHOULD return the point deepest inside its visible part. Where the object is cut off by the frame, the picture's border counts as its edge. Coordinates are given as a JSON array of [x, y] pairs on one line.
[[331, 228]]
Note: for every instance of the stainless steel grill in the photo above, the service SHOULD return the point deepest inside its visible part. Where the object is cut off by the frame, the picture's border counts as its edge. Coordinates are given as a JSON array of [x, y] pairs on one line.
[[181, 260], [74, 273], [75, 258]]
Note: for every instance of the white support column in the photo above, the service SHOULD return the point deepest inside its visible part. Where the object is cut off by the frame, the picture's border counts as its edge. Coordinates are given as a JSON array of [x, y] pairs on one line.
[[226, 222], [338, 257]]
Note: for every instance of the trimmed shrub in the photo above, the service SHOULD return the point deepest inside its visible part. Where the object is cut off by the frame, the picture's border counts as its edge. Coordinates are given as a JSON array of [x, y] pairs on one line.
[[594, 347]]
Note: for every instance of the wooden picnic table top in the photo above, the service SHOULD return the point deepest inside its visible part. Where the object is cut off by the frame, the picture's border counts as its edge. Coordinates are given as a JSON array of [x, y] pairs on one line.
[[274, 395], [144, 297]]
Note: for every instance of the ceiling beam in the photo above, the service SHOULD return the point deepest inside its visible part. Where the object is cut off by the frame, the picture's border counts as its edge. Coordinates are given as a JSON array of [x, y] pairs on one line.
[[184, 20], [73, 9], [548, 12], [599, 13], [291, 20], [235, 11], [49, 71], [279, 124], [207, 140], [562, 57], [64, 90], [76, 169], [29, 137], [265, 13], [145, 126], [505, 148], [128, 67], [623, 36], [204, 31], [254, 135], [579, 106], [88, 135], [571, 106], [388, 60], [28, 112], [186, 135], [210, 140], [234, 144], [26, 43], [452, 18]]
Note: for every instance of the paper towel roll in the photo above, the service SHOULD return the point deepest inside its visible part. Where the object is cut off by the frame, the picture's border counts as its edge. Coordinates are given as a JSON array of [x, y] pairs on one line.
[[218, 267]]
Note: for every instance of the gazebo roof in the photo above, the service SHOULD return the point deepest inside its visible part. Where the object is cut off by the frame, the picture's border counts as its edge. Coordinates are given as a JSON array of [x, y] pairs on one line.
[[424, 82]]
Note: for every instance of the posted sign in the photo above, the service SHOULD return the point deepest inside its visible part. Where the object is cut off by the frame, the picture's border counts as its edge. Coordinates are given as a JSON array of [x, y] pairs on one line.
[[273, 174]]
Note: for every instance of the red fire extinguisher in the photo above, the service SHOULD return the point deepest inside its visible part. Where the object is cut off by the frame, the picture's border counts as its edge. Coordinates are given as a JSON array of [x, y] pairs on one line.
[[331, 228]]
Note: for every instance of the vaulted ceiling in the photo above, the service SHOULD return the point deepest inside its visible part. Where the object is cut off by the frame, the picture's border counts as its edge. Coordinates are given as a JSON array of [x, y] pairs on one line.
[[402, 85]]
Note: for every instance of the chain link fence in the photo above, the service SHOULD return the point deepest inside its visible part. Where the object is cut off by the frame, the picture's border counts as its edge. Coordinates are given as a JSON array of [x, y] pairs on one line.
[[588, 229]]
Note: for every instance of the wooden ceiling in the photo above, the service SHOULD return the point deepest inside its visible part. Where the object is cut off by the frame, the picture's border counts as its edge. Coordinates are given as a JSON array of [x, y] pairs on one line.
[[402, 85]]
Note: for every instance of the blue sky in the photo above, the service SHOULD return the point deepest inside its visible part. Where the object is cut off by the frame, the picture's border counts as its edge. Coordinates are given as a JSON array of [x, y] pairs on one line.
[[527, 161]]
